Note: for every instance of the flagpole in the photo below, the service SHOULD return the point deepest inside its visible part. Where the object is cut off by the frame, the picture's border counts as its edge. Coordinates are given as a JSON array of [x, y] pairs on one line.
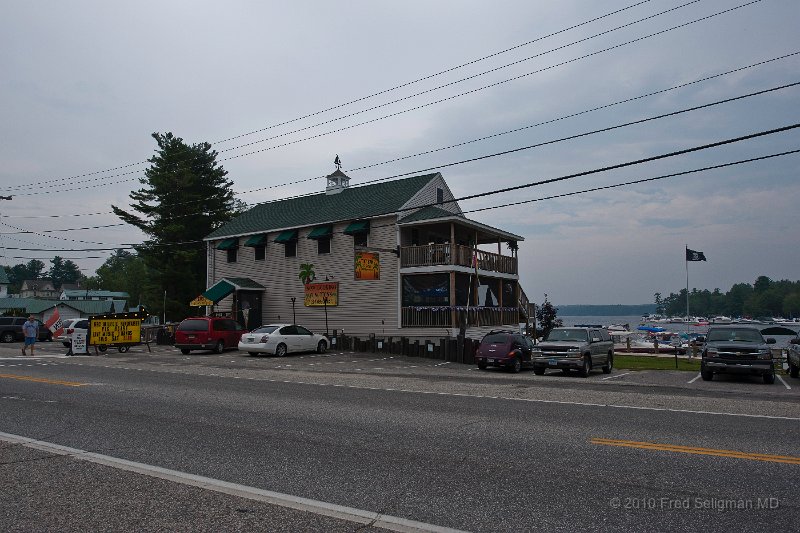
[[686, 260]]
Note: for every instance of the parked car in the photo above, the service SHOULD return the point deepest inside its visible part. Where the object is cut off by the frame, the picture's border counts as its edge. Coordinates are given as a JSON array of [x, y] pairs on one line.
[[505, 349], [11, 329], [207, 333], [737, 350], [280, 339], [64, 338], [581, 349], [794, 357]]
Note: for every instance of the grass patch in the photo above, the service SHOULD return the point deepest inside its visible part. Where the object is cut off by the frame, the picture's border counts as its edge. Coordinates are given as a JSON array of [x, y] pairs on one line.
[[644, 362]]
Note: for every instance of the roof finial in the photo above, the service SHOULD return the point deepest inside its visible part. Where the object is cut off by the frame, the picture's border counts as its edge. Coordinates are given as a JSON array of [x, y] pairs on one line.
[[337, 162]]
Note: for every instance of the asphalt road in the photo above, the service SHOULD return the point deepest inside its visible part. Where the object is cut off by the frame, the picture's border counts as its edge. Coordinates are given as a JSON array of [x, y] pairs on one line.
[[438, 444]]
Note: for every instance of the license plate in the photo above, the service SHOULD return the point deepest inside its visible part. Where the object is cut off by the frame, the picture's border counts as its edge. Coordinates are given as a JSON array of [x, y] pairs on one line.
[[552, 362], [190, 337]]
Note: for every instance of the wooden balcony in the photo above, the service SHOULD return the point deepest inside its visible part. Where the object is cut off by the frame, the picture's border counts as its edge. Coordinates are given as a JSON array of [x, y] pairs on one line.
[[450, 254], [442, 317]]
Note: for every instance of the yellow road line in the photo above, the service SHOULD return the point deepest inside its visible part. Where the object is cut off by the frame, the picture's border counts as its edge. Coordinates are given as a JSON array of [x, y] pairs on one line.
[[43, 380], [787, 459]]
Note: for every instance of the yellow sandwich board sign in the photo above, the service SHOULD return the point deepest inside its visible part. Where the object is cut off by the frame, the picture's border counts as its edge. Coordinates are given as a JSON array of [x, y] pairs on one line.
[[115, 331]]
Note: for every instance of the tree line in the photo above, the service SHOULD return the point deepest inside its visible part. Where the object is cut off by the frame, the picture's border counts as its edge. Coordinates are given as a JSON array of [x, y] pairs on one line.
[[185, 195], [763, 299]]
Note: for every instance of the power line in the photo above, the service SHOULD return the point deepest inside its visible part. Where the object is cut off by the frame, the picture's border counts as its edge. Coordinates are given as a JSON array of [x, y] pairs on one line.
[[500, 191], [435, 102], [360, 99]]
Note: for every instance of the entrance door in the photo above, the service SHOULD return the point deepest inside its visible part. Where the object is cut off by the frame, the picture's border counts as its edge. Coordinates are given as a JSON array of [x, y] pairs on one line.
[[249, 309]]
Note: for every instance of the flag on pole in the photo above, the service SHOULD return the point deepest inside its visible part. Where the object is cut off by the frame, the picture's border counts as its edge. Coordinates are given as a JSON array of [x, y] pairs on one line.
[[54, 323], [693, 255]]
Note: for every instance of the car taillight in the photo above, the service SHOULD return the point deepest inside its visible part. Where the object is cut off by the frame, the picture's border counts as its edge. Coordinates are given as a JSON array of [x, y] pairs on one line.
[[264, 338], [70, 331]]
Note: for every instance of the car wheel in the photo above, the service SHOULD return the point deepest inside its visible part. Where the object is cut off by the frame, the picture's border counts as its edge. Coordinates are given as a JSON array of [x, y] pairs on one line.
[[707, 375], [586, 368], [280, 351], [794, 370], [769, 379], [538, 371], [123, 349], [185, 351], [102, 348], [219, 347], [481, 366], [322, 346], [609, 365], [7, 337], [516, 366]]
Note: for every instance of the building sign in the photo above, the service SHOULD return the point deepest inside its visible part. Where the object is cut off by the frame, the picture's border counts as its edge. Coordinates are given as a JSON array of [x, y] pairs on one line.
[[115, 331], [367, 266], [316, 293], [200, 301]]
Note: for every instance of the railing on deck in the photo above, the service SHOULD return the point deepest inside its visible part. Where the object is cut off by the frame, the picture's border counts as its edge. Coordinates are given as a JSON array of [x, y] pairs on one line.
[[448, 254], [428, 317]]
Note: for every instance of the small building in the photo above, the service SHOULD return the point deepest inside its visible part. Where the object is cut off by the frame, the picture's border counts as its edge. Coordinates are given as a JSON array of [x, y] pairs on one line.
[[397, 258], [38, 288], [87, 294]]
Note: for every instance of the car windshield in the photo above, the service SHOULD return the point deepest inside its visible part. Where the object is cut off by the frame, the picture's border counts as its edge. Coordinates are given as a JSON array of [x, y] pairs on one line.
[[265, 329], [734, 335], [567, 335], [193, 325]]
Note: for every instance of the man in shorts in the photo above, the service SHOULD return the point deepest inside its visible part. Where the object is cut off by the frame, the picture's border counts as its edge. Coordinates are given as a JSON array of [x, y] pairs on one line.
[[31, 331]]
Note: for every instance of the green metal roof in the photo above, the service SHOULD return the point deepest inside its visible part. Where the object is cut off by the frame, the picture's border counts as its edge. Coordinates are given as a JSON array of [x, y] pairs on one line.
[[245, 283], [256, 240], [321, 232], [351, 203], [287, 236], [85, 307], [228, 244], [359, 226]]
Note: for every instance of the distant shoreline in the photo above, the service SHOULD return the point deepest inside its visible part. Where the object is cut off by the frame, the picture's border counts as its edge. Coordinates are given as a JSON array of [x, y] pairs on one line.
[[606, 310]]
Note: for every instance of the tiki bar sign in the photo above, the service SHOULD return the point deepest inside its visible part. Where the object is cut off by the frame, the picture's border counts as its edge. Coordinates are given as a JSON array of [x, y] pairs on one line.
[[367, 266], [317, 293]]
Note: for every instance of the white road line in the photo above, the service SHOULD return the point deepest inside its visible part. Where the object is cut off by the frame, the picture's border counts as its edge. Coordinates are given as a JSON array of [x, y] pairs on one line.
[[694, 378], [784, 383], [341, 512], [614, 377], [442, 364]]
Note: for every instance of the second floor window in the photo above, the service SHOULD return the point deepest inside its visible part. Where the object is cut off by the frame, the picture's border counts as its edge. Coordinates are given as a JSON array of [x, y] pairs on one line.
[[260, 252], [323, 246], [360, 239], [290, 249], [232, 254]]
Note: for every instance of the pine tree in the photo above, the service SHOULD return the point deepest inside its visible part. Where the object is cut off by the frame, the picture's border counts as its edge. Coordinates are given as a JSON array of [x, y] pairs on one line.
[[547, 317], [185, 197]]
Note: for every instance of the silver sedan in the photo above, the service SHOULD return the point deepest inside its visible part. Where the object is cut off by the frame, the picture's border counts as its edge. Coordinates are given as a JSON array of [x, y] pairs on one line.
[[280, 339]]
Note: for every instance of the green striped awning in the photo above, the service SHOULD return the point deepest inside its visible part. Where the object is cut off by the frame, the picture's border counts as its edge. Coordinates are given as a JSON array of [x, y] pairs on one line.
[[354, 228], [256, 240], [228, 244], [321, 232], [287, 236]]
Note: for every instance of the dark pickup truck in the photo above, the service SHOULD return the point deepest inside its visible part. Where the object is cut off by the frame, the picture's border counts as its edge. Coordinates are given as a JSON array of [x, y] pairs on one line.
[[737, 350]]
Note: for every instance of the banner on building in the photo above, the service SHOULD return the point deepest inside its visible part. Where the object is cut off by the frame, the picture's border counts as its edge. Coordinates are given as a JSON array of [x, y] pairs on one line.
[[322, 294], [367, 266]]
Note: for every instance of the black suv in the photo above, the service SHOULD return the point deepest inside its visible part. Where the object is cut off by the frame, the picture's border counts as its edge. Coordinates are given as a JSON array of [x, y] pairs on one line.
[[506, 349], [737, 350], [11, 329]]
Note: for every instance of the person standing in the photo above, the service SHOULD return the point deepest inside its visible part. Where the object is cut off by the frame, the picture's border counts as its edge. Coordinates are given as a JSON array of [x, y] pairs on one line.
[[31, 331]]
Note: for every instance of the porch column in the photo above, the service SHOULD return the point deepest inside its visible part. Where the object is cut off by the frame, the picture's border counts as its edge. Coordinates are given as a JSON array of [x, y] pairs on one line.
[[453, 313], [452, 244]]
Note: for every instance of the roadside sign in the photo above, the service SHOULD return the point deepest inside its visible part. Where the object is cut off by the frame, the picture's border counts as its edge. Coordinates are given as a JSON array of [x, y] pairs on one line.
[[115, 331], [200, 301], [79, 342]]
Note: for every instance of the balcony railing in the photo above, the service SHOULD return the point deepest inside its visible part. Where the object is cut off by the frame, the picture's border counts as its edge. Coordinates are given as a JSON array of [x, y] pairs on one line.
[[430, 317], [449, 254]]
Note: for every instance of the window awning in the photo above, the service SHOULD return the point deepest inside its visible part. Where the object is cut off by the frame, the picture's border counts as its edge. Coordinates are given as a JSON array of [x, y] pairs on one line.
[[287, 236], [228, 244], [219, 290], [256, 240], [321, 232], [355, 228]]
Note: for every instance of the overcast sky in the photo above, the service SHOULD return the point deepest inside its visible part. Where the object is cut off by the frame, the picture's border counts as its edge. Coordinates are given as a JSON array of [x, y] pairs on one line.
[[85, 83]]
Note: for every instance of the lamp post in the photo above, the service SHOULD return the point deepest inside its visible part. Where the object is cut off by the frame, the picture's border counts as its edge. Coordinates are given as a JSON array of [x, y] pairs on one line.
[[294, 316], [325, 303]]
